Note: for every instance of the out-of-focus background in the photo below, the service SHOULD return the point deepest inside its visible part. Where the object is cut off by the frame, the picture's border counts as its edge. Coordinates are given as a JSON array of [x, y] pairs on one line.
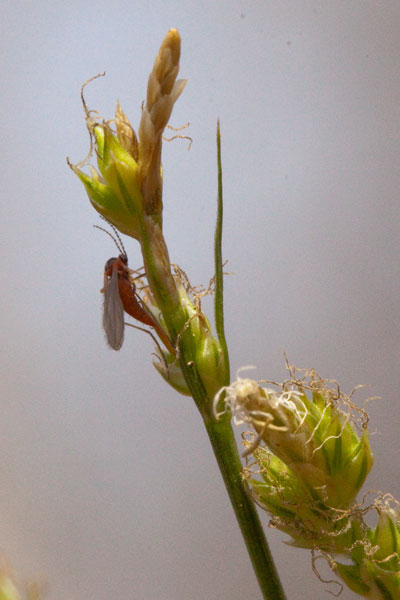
[[109, 488]]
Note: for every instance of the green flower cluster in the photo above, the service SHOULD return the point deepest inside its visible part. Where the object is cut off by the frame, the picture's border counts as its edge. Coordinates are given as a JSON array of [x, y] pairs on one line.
[[115, 191], [306, 463]]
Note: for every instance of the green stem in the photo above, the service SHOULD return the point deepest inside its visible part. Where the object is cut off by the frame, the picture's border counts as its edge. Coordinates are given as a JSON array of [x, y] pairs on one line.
[[223, 441], [225, 450], [162, 284]]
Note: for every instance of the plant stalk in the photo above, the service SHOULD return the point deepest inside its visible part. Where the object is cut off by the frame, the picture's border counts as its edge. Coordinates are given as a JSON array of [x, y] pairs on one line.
[[225, 450]]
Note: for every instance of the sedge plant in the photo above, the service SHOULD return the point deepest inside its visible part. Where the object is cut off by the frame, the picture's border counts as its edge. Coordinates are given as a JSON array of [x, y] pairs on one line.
[[307, 453]]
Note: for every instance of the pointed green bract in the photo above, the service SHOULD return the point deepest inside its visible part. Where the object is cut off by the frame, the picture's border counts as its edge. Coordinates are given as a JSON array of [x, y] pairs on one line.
[[351, 575], [170, 370], [120, 172], [107, 203]]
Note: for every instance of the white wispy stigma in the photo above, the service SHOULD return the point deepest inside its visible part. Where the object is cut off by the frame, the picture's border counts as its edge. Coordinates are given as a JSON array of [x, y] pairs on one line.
[[262, 408]]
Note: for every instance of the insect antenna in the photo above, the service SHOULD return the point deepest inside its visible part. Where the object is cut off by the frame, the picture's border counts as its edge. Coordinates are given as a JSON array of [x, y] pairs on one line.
[[115, 238]]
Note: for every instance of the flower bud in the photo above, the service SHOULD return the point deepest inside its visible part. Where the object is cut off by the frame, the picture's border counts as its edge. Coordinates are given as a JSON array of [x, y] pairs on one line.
[[115, 194], [210, 363], [202, 350]]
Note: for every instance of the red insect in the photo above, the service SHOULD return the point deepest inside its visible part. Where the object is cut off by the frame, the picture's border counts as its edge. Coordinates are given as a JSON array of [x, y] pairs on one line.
[[120, 295]]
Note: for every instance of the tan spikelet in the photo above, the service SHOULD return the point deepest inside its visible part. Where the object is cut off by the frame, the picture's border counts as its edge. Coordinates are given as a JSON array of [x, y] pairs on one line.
[[163, 90], [125, 132]]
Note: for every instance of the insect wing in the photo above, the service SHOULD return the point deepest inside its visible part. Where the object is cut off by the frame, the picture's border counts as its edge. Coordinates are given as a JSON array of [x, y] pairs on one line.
[[113, 316]]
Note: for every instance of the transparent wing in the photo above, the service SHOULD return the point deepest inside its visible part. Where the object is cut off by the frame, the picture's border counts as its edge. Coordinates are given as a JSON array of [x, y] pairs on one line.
[[113, 316]]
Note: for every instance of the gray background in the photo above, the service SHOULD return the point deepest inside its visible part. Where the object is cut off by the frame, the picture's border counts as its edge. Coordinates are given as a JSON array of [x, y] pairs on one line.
[[108, 487]]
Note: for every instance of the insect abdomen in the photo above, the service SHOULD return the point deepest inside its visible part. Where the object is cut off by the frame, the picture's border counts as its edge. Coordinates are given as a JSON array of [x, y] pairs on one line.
[[131, 304]]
